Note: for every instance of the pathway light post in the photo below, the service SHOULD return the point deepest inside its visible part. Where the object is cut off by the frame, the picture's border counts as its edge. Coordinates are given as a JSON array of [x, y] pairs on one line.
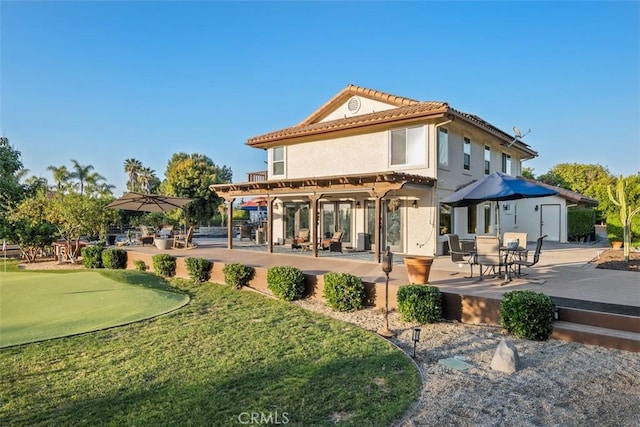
[[387, 267], [415, 338]]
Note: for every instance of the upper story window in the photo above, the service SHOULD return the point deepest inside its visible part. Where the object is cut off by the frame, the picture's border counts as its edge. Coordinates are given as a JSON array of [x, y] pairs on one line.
[[506, 163], [466, 154], [487, 160], [408, 146], [278, 161], [443, 147]]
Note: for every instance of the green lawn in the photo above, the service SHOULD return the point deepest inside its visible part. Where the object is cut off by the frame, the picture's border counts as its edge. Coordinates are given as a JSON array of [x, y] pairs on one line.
[[38, 305], [225, 357]]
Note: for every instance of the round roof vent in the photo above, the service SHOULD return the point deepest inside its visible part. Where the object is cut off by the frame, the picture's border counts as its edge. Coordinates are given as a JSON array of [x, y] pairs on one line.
[[354, 105]]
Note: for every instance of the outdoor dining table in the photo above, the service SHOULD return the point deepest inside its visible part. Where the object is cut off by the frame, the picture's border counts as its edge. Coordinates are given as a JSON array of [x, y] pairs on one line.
[[510, 253]]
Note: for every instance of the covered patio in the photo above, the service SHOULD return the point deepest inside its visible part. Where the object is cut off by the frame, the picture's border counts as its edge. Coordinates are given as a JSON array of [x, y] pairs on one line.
[[378, 190]]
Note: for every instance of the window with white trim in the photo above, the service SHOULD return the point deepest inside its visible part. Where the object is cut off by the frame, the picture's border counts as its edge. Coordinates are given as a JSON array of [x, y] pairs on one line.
[[407, 146], [506, 163], [443, 147], [278, 161], [487, 160], [466, 154]]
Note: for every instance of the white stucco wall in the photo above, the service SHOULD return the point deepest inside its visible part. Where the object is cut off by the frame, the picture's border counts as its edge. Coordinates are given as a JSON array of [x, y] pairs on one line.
[[366, 106]]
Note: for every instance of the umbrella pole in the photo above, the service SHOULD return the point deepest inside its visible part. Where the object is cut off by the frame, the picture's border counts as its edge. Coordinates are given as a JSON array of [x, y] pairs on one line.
[[498, 219]]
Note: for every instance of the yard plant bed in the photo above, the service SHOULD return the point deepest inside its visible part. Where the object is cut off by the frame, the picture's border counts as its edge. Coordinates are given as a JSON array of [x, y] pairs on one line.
[[224, 357], [613, 259]]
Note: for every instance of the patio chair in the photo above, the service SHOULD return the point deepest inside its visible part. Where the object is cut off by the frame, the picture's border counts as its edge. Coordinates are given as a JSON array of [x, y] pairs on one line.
[[460, 252], [488, 255], [530, 263], [246, 231], [334, 244], [303, 237], [146, 236], [183, 242]]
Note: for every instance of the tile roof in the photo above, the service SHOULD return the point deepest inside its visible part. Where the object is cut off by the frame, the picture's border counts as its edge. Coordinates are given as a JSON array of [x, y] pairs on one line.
[[401, 113], [406, 109], [567, 194]]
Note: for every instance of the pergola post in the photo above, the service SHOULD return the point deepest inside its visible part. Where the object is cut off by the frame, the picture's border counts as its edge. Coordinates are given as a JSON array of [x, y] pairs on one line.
[[230, 201]]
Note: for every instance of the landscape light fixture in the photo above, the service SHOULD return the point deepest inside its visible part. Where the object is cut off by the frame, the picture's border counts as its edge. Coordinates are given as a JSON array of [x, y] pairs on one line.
[[387, 267], [415, 338]]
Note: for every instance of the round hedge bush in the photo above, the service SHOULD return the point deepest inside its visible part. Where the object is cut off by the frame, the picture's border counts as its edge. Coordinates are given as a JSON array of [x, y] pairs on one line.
[[286, 283], [420, 303], [237, 274], [92, 256], [114, 258], [527, 314], [199, 269], [343, 291], [164, 265]]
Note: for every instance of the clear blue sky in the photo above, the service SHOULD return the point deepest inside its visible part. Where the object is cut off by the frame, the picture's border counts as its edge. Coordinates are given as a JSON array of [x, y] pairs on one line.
[[101, 82]]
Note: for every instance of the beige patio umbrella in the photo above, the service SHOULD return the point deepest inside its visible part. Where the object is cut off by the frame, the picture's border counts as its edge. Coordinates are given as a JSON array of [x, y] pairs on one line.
[[148, 202]]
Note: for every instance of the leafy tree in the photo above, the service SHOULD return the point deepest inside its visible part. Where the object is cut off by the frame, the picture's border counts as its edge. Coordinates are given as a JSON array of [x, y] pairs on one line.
[[11, 190], [527, 172], [29, 227], [591, 180], [190, 175], [626, 200]]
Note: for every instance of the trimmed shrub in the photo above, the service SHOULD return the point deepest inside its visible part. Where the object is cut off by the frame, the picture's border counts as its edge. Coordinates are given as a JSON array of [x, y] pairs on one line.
[[580, 223], [114, 258], [199, 269], [286, 283], [527, 314], [164, 265], [237, 275], [92, 256], [420, 303], [139, 265], [343, 291]]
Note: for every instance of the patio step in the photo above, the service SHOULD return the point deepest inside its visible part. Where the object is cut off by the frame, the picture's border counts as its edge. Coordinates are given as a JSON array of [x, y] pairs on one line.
[[607, 325], [595, 335]]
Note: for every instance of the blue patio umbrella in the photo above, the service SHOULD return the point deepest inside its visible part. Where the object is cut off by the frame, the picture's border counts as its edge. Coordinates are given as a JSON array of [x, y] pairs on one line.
[[496, 187]]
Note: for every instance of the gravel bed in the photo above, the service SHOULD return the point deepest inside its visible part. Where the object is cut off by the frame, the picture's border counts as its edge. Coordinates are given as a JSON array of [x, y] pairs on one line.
[[559, 383]]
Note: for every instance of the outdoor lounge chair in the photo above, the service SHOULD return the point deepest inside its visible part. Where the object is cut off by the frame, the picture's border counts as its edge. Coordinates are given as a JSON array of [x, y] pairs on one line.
[[146, 236], [536, 257], [303, 237], [334, 244], [183, 242], [460, 253]]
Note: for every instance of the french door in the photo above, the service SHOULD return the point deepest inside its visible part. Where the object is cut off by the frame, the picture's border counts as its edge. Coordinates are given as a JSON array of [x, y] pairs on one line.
[[336, 216]]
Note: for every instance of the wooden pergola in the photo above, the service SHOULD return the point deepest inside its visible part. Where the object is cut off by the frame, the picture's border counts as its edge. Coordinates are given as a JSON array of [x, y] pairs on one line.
[[375, 185]]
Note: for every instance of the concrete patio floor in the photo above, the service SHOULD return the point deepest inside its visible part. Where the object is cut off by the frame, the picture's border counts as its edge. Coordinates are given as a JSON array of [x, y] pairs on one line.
[[563, 271]]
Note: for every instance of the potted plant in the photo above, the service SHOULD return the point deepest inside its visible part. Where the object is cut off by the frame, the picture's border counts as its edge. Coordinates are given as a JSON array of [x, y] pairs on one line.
[[615, 231], [418, 269]]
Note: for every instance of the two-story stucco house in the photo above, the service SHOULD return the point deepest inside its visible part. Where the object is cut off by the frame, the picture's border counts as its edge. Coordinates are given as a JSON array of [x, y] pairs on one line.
[[375, 165]]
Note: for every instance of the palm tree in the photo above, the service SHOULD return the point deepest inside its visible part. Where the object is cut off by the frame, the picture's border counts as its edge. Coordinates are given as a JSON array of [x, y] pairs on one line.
[[132, 167], [80, 173], [146, 177], [60, 176], [94, 181]]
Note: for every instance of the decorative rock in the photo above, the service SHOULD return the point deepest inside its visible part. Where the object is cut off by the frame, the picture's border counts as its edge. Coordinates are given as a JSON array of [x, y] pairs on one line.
[[506, 358]]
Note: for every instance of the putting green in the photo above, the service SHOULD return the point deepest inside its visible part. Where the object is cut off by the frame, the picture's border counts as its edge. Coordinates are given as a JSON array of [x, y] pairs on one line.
[[38, 306]]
